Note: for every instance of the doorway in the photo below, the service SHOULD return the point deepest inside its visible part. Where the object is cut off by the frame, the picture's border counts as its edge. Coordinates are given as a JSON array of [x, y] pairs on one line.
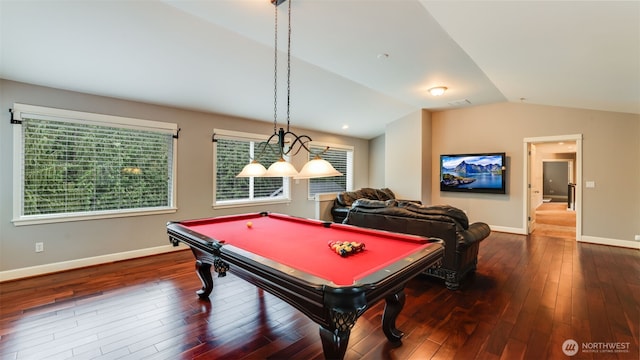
[[553, 197], [558, 179]]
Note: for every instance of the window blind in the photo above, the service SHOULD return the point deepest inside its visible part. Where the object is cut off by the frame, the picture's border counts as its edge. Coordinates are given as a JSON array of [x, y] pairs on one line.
[[71, 167], [232, 154], [342, 160]]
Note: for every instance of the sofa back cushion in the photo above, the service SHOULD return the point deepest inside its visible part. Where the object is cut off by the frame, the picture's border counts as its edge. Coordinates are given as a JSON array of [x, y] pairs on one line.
[[346, 198], [439, 210], [373, 204], [400, 220]]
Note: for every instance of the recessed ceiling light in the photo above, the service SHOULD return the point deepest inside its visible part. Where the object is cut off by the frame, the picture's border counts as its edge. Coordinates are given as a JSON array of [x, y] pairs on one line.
[[345, 127]]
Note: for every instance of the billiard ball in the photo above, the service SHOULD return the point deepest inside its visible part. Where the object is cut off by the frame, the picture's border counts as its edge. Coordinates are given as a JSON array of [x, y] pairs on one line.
[[249, 224]]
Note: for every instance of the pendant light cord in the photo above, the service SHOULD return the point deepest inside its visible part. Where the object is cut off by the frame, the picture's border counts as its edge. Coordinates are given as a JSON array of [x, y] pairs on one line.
[[275, 74], [289, 68]]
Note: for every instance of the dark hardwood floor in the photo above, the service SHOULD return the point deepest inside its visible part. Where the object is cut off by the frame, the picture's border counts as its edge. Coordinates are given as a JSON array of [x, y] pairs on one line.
[[529, 295]]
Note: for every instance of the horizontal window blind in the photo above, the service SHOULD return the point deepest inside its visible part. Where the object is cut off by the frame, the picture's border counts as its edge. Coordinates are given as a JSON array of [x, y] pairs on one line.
[[342, 160], [72, 167], [232, 154]]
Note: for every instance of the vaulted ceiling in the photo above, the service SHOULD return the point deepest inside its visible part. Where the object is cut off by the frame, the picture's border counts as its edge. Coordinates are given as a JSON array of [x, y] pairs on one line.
[[361, 63]]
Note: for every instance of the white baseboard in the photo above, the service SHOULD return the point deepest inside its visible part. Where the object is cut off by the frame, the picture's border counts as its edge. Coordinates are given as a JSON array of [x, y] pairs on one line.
[[79, 263], [611, 242], [510, 230], [585, 238]]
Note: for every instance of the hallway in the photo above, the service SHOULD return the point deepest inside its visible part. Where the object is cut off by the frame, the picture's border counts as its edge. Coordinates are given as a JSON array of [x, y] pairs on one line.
[[553, 219]]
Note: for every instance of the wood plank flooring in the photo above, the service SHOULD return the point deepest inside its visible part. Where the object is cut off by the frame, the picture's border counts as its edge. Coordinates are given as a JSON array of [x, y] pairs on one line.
[[529, 295], [553, 219]]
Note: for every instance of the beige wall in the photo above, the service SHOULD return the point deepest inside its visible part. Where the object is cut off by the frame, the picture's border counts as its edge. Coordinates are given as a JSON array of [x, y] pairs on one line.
[[403, 169], [611, 158], [65, 242], [427, 157], [376, 162]]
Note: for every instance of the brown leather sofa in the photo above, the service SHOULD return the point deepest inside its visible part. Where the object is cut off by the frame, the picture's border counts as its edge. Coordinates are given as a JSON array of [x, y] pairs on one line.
[[344, 200], [461, 239]]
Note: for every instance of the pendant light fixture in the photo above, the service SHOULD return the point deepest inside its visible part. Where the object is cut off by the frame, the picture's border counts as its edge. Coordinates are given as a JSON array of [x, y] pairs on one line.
[[317, 167]]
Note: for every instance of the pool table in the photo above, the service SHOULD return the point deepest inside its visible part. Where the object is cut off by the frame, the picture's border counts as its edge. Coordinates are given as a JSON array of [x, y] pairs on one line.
[[290, 257]]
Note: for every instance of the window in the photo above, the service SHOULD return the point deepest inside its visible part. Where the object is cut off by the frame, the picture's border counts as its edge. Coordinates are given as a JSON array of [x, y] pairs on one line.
[[232, 151], [72, 165], [341, 157]]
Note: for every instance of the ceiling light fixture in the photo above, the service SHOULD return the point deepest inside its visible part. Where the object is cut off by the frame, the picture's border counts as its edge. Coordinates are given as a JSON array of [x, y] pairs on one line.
[[438, 90], [315, 168]]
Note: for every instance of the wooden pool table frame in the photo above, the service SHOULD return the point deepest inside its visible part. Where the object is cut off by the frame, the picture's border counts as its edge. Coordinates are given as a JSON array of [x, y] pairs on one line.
[[335, 308]]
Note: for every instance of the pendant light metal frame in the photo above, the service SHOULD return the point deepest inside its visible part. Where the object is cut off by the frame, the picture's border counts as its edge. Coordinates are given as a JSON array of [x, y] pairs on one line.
[[281, 168]]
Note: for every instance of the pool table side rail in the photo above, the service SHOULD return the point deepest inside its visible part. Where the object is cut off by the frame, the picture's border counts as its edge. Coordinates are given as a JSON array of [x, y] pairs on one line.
[[403, 271], [220, 219]]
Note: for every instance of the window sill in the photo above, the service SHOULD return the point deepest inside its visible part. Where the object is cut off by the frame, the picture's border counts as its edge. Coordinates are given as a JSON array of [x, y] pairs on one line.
[[235, 204], [59, 218]]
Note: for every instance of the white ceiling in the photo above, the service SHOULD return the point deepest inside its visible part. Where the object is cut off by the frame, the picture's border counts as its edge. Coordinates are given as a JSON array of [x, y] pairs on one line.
[[217, 55]]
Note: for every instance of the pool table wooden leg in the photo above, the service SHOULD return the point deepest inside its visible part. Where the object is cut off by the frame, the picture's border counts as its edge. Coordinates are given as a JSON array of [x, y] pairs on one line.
[[203, 270], [334, 343], [395, 303], [343, 307]]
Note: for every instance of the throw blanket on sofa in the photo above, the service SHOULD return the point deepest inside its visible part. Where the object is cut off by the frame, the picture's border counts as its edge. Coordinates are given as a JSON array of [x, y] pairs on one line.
[[445, 213]]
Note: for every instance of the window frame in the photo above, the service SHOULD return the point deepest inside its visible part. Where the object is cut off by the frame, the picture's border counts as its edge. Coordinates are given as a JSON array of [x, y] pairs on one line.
[[24, 111], [244, 136], [350, 165]]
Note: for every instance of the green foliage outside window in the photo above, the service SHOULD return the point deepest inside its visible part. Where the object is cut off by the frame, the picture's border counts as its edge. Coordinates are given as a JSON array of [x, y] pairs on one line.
[[231, 156], [72, 167]]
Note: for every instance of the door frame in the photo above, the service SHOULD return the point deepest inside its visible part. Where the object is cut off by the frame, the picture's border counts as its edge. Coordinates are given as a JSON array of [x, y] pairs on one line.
[[527, 142]]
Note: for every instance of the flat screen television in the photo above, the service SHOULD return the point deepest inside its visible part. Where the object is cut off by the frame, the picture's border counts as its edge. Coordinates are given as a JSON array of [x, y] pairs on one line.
[[474, 173]]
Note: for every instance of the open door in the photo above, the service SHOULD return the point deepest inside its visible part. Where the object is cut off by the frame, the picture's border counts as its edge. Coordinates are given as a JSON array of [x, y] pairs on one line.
[[534, 187]]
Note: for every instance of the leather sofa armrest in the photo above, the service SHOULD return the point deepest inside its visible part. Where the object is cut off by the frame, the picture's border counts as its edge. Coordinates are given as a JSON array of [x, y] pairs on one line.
[[475, 233]]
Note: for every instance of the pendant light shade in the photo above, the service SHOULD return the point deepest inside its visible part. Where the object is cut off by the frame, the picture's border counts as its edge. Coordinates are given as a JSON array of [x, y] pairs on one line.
[[254, 168], [316, 168], [281, 168]]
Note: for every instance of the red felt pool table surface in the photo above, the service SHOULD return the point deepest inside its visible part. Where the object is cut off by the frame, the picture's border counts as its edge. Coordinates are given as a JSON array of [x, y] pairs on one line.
[[302, 244]]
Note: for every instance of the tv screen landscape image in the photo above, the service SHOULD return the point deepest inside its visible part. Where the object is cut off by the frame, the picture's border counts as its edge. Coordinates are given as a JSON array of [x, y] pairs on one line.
[[480, 173]]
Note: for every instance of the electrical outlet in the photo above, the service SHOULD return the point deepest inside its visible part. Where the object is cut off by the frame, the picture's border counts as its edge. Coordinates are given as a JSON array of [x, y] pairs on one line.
[[637, 237], [39, 247]]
